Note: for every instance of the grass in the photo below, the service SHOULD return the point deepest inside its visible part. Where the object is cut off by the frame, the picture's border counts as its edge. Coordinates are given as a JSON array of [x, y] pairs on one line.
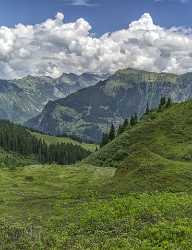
[[156, 154], [54, 140], [52, 207], [13, 160], [133, 194], [36, 188]]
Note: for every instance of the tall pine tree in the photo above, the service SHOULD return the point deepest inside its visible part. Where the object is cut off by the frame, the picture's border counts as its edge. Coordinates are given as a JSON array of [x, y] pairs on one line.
[[112, 133]]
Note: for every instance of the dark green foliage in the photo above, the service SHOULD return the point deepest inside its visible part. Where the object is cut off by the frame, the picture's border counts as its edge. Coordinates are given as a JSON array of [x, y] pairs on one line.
[[134, 120], [105, 140], [164, 103], [18, 139], [169, 102], [125, 124], [120, 129], [123, 127], [112, 133], [147, 111], [108, 137]]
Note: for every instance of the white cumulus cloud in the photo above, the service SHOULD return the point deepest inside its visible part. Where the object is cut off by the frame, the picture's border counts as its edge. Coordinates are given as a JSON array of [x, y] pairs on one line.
[[54, 47]]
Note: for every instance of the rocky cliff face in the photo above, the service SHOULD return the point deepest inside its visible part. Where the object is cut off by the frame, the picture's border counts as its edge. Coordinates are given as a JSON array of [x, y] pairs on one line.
[[25, 98], [89, 112]]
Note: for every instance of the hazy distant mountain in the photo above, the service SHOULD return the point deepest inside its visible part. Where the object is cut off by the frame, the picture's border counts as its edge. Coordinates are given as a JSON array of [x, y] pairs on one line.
[[89, 112], [24, 98]]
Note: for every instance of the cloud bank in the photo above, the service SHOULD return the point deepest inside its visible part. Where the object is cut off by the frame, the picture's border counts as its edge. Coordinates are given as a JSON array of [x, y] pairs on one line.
[[54, 47]]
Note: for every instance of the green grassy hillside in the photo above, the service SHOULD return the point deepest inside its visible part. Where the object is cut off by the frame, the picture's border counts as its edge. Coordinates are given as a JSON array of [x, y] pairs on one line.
[[54, 140], [156, 154], [135, 193]]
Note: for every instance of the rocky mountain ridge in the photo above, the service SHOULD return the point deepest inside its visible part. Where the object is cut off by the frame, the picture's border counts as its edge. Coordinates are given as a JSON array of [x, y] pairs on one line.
[[90, 111]]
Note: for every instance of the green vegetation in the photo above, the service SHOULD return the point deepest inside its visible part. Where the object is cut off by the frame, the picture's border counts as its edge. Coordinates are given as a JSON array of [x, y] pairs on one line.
[[155, 154], [66, 140], [109, 137], [15, 138], [13, 160], [55, 207], [135, 193]]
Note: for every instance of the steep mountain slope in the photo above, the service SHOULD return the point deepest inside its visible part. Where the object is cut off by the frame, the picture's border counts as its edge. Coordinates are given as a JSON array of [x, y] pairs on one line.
[[156, 154], [24, 98], [89, 112]]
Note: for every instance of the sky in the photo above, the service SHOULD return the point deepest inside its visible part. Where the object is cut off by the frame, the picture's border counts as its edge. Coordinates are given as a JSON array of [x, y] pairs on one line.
[[103, 15], [49, 37]]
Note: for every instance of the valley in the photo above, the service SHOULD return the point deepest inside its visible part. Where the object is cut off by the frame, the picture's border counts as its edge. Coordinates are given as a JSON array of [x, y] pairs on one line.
[[133, 193], [95, 125]]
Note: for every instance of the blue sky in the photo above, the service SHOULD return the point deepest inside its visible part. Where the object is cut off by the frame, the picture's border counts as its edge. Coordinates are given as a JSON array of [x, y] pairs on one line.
[[103, 15], [96, 36]]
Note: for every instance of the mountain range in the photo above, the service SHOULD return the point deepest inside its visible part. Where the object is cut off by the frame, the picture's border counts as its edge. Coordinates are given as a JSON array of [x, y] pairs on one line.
[[22, 99], [89, 112]]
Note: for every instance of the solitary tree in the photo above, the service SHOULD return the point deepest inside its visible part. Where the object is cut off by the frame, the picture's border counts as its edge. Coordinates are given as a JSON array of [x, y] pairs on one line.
[[125, 124], [134, 120], [147, 111], [162, 101], [112, 133], [105, 140], [169, 102]]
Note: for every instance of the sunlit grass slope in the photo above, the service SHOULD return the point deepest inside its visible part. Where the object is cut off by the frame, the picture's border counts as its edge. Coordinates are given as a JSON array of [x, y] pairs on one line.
[[54, 140], [154, 155]]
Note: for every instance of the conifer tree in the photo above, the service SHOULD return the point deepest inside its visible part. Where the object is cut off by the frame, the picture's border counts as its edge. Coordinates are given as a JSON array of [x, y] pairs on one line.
[[112, 133], [105, 140], [169, 102], [134, 120], [162, 101], [122, 127], [147, 111], [125, 124]]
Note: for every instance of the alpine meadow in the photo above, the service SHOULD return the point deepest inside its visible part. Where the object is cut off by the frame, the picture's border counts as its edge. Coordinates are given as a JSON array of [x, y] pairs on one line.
[[95, 125]]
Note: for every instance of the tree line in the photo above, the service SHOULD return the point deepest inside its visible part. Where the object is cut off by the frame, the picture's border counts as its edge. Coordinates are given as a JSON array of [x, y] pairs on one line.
[[108, 137], [18, 139], [64, 135]]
